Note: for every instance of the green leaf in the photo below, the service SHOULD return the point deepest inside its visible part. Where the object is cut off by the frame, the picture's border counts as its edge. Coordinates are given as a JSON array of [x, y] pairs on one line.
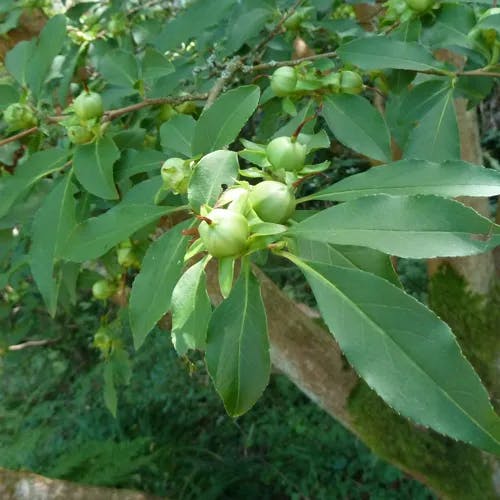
[[53, 221], [358, 125], [246, 27], [8, 95], [193, 21], [237, 354], [352, 257], [177, 134], [155, 65], [93, 167], [18, 59], [134, 162], [422, 98], [450, 29], [152, 288], [51, 41], [380, 52], [37, 166], [191, 310], [436, 136], [95, 236], [408, 177], [290, 127], [408, 226], [405, 352], [210, 174], [109, 390], [220, 124], [120, 68], [490, 22]]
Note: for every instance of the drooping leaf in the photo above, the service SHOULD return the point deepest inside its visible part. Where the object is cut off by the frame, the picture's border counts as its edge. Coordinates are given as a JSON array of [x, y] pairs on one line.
[[220, 124], [407, 226], [17, 60], [93, 166], [404, 352], [109, 390], [49, 44], [358, 125], [177, 134], [408, 177], [153, 286], [95, 236], [436, 137], [211, 173], [53, 221], [191, 310], [37, 166], [237, 351], [380, 52]]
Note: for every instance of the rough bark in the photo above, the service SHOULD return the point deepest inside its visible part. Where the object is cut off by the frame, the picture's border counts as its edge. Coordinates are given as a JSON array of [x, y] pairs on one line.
[[28, 486]]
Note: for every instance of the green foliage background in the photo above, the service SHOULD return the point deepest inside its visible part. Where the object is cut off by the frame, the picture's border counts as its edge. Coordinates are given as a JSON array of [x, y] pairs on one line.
[[171, 436]]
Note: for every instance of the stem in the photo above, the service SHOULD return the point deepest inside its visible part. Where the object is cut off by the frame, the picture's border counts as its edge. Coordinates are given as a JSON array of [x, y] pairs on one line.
[[291, 62], [227, 74], [116, 113], [298, 182], [293, 258], [20, 135], [304, 199], [205, 219], [305, 121]]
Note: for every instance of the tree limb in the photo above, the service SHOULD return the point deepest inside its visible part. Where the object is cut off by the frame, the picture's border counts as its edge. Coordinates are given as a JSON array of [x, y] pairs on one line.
[[16, 485]]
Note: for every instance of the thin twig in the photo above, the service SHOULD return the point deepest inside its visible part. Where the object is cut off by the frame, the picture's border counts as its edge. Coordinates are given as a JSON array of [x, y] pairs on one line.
[[116, 113], [20, 135], [291, 62], [227, 74], [33, 343]]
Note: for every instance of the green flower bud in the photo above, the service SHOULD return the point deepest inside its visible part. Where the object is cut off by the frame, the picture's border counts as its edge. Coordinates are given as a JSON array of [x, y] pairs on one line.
[[19, 116], [175, 173]]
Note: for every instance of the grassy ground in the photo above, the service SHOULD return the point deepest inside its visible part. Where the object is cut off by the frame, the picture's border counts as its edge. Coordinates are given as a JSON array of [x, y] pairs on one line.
[[172, 436]]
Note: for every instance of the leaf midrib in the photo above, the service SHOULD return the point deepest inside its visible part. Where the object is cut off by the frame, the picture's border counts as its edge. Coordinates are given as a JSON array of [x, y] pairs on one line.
[[412, 361], [383, 189], [240, 336]]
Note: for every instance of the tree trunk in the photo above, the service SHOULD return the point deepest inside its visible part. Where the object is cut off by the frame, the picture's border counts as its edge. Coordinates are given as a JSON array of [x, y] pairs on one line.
[[28, 486]]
